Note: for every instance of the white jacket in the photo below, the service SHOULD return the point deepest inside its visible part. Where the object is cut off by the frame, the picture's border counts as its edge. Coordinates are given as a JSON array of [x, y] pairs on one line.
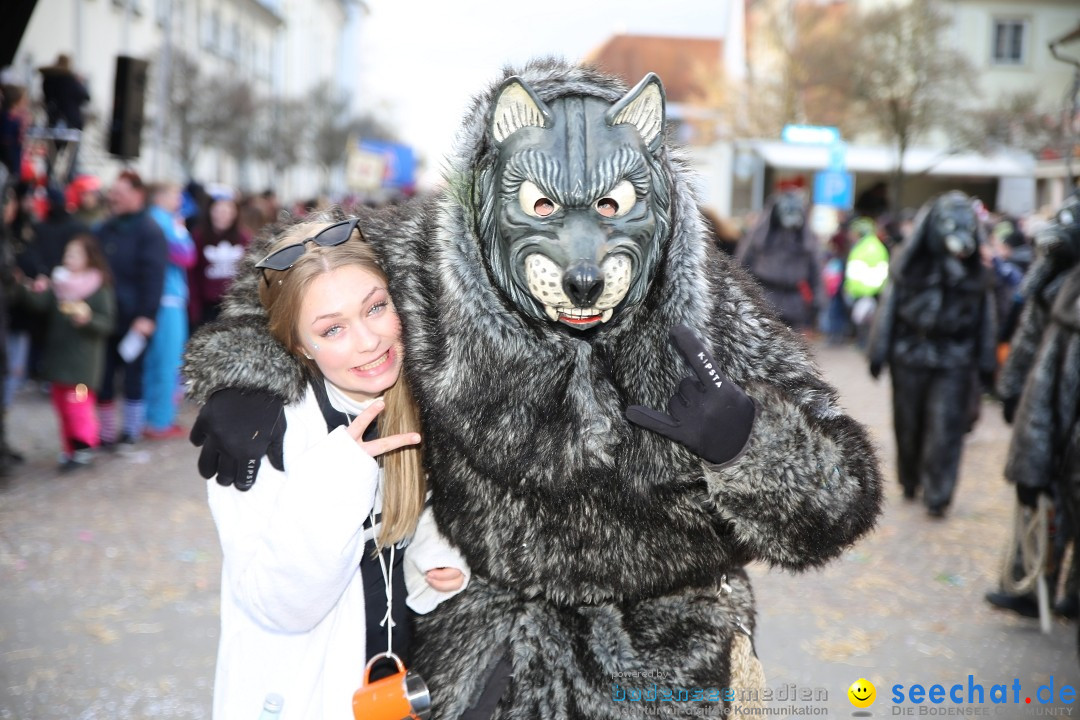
[[292, 598]]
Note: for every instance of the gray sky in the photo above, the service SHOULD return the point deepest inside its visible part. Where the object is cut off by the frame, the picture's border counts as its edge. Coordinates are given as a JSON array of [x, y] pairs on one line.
[[422, 62]]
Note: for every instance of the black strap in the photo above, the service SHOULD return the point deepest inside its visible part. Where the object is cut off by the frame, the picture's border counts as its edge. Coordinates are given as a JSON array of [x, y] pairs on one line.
[[371, 570], [498, 674]]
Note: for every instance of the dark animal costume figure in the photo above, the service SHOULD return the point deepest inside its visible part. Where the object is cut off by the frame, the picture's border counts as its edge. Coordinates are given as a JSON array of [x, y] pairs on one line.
[[935, 329], [536, 296], [1040, 382], [1045, 448], [1058, 252], [785, 257]]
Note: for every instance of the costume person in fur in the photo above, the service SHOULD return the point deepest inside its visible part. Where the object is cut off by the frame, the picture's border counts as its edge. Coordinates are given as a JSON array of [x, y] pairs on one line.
[[784, 256], [935, 328], [537, 296], [1040, 377], [1058, 248]]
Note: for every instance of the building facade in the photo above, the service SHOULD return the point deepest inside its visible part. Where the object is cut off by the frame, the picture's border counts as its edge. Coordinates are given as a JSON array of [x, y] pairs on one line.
[[276, 48], [1006, 43]]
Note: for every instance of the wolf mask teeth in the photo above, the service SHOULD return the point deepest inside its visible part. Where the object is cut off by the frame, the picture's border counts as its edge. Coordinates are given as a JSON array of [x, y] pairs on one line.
[[580, 207], [545, 280]]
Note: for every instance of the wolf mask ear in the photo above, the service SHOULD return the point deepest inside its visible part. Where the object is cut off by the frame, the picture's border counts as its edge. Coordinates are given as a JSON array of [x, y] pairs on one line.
[[516, 107], [642, 107]]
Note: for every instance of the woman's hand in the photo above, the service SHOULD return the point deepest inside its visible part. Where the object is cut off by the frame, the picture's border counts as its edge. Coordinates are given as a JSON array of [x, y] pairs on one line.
[[80, 313], [381, 445], [445, 579]]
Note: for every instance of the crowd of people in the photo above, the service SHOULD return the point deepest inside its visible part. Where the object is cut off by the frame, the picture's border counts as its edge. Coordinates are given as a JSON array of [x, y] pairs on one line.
[[102, 288]]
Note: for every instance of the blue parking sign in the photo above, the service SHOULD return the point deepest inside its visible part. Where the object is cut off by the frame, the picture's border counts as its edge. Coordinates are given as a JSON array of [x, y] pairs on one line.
[[834, 188]]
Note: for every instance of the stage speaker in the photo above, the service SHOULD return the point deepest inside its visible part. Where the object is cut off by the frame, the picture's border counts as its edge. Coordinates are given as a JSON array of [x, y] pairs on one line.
[[129, 93]]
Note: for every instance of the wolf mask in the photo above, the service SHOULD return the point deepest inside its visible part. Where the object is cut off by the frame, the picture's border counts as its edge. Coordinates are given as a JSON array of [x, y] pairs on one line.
[[578, 215]]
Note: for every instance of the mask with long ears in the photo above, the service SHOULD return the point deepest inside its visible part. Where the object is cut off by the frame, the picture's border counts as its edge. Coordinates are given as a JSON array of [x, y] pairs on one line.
[[580, 204]]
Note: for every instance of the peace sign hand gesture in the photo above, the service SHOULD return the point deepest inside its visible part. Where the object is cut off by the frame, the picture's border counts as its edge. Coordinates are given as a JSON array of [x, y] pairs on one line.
[[708, 414], [377, 447]]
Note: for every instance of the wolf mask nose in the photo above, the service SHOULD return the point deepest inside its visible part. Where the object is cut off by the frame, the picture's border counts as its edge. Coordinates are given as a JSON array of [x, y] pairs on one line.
[[583, 283]]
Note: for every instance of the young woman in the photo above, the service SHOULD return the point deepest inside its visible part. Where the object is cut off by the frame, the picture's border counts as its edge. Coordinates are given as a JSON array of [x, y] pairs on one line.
[[220, 244], [80, 309], [314, 581]]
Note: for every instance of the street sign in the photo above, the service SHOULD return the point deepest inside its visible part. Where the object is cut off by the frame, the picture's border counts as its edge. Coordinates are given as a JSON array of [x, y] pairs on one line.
[[834, 188], [838, 157], [364, 170], [810, 134], [400, 163]]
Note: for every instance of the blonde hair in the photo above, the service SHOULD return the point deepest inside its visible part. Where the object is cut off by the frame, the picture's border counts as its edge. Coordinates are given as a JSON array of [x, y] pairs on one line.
[[282, 294]]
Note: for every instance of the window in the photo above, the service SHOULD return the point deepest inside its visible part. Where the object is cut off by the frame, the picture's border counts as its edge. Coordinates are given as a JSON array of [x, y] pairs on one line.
[[1009, 42], [235, 49], [211, 27]]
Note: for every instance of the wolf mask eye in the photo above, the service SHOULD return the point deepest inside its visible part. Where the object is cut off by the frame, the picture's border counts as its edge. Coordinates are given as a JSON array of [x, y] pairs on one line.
[[618, 202], [534, 202]]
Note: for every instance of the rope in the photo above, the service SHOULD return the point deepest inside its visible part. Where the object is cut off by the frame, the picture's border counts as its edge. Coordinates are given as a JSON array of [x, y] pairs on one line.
[[747, 674], [1031, 537]]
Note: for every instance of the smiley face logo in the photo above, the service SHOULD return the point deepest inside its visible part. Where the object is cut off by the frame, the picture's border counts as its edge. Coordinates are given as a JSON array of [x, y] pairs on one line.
[[862, 693]]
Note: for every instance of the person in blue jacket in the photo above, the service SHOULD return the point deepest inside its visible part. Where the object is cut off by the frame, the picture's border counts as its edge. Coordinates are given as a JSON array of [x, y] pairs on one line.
[[137, 254], [161, 371]]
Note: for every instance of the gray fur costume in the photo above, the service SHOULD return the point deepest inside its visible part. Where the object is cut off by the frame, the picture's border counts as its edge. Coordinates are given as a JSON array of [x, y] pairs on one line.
[[1045, 358], [1058, 252], [935, 328], [597, 547], [784, 256]]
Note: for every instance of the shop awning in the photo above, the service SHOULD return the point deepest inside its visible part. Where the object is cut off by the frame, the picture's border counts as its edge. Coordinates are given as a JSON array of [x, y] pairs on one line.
[[882, 160]]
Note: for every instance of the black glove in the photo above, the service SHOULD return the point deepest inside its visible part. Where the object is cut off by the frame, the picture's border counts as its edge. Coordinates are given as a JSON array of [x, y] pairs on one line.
[[875, 368], [235, 429], [708, 414], [1028, 496], [1008, 408]]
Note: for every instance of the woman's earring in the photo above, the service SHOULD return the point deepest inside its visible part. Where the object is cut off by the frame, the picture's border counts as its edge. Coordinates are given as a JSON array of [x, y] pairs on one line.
[[315, 346]]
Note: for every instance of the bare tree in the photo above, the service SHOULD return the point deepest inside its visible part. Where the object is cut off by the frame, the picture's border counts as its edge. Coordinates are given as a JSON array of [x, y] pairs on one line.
[[330, 128], [823, 77], [368, 127], [906, 79], [231, 121], [1015, 120], [807, 77], [282, 133], [191, 104]]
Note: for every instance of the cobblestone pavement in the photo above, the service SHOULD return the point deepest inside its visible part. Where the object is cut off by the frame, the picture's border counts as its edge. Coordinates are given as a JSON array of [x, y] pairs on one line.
[[109, 582]]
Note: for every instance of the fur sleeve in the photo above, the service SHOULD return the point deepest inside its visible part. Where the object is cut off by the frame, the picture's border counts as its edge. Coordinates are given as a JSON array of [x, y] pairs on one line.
[[1022, 347], [808, 484], [879, 344], [237, 351]]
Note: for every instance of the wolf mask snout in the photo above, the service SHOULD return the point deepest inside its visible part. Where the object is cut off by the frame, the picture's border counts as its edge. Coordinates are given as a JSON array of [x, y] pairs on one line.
[[578, 218]]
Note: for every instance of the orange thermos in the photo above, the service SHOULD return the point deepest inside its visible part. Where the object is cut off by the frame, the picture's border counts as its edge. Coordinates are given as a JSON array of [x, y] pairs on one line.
[[401, 696]]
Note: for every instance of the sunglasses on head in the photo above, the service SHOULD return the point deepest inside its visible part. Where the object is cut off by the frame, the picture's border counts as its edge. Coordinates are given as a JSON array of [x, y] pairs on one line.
[[287, 256]]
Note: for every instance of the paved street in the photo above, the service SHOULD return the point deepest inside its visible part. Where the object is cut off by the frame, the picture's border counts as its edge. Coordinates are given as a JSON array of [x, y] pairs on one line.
[[109, 584]]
